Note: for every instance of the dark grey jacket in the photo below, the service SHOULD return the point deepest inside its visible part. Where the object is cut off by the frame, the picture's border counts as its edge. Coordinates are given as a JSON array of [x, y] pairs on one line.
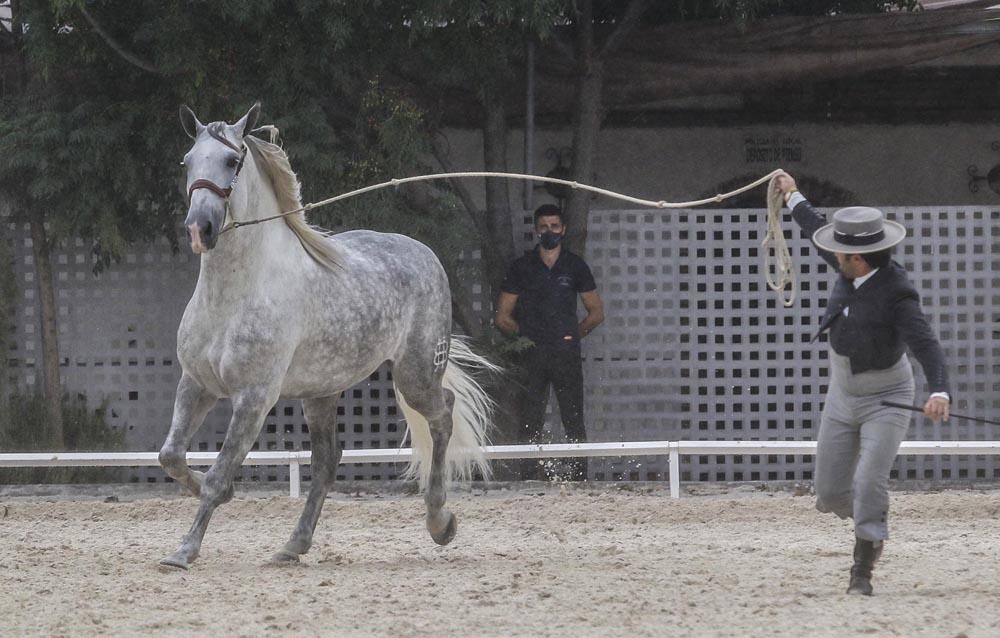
[[884, 316]]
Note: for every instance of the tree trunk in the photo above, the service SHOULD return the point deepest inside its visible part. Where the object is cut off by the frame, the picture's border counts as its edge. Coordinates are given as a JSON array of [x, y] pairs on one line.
[[499, 226], [8, 306], [586, 128], [586, 124], [50, 347], [501, 253]]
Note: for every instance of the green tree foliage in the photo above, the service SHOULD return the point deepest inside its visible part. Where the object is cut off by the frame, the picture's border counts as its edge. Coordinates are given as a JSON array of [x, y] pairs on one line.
[[355, 87], [78, 144]]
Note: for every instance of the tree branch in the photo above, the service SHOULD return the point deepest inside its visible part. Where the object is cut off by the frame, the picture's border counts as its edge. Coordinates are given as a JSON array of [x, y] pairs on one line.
[[440, 154], [117, 48], [625, 26]]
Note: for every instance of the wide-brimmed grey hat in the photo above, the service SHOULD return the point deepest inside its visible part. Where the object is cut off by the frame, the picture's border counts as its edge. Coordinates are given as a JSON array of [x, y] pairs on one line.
[[859, 230]]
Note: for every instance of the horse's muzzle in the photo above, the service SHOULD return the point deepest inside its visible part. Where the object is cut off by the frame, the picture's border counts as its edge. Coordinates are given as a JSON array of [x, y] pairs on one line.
[[202, 235]]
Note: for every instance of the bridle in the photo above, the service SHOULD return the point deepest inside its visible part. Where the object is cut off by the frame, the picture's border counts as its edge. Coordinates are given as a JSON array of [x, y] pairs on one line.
[[208, 184]]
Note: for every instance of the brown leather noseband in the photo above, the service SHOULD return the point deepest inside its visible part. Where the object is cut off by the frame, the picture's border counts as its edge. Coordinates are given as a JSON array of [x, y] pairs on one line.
[[208, 184]]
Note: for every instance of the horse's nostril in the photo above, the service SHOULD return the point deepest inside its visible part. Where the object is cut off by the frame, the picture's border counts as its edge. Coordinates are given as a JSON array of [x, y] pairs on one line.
[[208, 229]]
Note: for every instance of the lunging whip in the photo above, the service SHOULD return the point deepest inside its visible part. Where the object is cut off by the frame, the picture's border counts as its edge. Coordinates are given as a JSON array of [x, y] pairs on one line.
[[917, 408]]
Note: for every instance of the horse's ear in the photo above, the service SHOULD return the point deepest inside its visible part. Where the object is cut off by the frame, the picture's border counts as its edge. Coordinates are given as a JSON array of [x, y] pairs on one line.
[[190, 122], [249, 121]]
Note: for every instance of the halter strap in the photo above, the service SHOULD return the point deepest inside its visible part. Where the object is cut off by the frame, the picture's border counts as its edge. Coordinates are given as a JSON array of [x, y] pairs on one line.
[[224, 193]]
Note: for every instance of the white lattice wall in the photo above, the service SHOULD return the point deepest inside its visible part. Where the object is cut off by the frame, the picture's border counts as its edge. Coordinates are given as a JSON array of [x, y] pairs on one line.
[[694, 346]]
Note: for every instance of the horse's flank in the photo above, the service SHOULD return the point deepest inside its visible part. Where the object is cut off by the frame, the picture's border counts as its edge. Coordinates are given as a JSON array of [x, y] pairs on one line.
[[273, 162]]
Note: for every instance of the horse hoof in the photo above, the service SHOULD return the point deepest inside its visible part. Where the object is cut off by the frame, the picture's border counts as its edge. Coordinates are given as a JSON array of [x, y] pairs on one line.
[[448, 534], [284, 558], [173, 563]]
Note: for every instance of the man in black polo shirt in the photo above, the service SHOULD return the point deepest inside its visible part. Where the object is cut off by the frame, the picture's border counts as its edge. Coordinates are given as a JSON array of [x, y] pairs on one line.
[[538, 301]]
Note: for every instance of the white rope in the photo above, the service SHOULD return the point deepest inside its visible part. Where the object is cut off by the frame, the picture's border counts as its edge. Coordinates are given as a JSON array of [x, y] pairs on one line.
[[776, 256], [778, 267], [552, 180]]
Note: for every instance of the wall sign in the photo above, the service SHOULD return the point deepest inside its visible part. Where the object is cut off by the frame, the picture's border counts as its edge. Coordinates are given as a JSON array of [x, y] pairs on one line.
[[771, 149]]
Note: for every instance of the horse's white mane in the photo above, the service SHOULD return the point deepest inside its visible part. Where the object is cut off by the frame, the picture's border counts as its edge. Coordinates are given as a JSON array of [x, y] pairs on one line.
[[273, 162]]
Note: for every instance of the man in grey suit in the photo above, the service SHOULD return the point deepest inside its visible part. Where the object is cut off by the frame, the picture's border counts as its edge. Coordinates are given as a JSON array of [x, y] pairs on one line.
[[872, 316]]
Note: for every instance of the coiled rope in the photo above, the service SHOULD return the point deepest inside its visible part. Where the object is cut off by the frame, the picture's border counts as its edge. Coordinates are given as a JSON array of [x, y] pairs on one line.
[[779, 271], [778, 268]]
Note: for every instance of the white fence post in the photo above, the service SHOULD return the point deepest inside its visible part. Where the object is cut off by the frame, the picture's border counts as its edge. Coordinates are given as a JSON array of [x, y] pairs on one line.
[[675, 470], [294, 478]]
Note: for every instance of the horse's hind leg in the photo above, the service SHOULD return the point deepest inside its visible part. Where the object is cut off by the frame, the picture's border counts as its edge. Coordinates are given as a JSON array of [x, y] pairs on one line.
[[440, 522], [425, 394], [321, 415], [191, 404]]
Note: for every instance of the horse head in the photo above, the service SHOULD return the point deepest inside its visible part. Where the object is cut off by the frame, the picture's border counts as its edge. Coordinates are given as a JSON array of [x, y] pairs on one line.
[[213, 168]]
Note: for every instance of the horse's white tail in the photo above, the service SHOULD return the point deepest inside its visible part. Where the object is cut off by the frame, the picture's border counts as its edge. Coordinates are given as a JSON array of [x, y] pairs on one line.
[[471, 420]]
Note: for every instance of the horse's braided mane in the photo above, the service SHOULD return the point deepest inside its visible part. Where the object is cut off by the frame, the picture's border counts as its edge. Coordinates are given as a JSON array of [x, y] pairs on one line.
[[273, 161]]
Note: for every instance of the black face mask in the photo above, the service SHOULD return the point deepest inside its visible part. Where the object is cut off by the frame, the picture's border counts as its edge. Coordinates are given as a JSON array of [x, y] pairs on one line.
[[549, 239]]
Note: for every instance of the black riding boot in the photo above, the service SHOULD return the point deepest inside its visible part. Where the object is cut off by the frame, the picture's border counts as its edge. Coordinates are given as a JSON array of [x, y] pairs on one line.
[[865, 555]]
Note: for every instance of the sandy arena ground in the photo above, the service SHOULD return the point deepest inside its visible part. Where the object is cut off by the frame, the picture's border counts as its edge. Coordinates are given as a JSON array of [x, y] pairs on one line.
[[580, 561]]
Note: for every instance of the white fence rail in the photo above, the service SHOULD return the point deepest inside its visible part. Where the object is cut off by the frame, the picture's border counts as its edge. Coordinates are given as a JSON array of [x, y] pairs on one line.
[[671, 449]]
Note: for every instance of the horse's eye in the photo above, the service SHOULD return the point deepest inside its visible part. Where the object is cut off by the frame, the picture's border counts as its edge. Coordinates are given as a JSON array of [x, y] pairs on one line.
[[231, 162], [182, 163]]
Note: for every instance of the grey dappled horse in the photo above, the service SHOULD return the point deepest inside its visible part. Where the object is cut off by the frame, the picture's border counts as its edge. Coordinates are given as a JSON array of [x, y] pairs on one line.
[[282, 310]]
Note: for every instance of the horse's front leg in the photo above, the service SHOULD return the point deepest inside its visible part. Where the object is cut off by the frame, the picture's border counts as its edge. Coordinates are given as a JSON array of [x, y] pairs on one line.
[[249, 409], [191, 404]]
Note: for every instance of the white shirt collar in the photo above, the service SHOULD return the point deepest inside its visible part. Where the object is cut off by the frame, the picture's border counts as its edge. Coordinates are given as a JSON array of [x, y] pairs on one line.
[[863, 278]]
